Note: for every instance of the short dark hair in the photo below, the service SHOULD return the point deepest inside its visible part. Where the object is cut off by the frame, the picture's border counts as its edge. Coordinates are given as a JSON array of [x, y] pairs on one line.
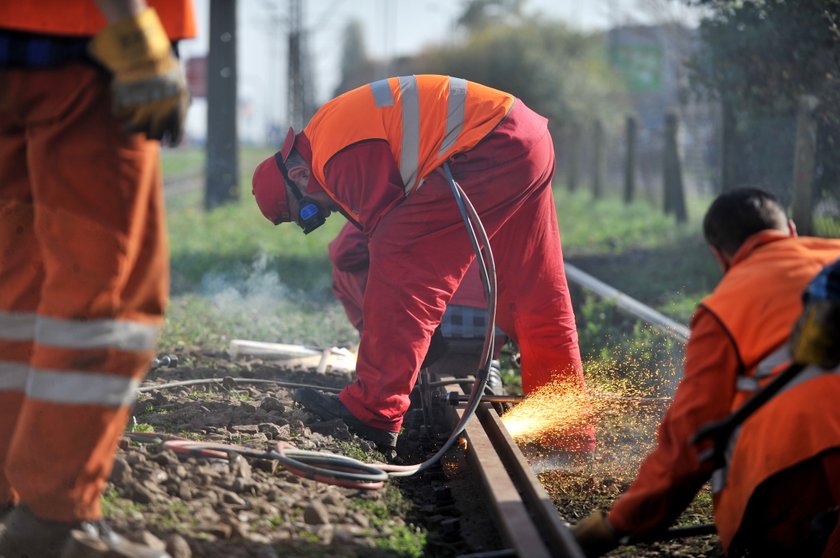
[[736, 215]]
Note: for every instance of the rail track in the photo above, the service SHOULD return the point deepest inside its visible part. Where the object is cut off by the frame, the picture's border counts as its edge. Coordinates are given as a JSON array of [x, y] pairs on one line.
[[526, 518]]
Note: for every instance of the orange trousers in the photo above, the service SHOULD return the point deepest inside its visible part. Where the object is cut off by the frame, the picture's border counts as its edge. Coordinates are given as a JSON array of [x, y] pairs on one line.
[[83, 284]]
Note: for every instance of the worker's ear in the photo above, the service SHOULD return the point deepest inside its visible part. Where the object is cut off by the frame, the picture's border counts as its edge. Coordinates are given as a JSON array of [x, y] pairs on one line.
[[300, 175], [721, 258], [792, 228]]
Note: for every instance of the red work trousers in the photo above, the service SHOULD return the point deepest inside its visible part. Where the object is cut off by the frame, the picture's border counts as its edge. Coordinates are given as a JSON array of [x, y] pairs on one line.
[[420, 251], [83, 283]]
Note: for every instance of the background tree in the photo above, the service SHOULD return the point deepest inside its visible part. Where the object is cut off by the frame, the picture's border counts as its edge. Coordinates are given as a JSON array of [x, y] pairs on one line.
[[478, 14], [357, 68], [757, 57], [562, 74]]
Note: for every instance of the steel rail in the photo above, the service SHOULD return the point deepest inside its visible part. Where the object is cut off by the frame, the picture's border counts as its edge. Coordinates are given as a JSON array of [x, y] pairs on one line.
[[523, 512]]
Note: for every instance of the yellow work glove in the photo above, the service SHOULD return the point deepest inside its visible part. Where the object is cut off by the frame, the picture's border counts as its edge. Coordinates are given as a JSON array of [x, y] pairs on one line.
[[595, 535], [148, 88], [816, 336]]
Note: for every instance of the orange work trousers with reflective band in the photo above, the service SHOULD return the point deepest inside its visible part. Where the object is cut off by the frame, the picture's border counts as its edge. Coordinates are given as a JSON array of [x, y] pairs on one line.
[[83, 283]]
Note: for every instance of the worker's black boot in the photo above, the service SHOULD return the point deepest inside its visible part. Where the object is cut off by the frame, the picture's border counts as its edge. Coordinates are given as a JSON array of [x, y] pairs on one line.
[[329, 407], [23, 535]]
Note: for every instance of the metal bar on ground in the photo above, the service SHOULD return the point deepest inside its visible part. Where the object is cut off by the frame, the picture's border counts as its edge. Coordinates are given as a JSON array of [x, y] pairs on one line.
[[516, 527], [527, 518], [560, 539], [668, 326]]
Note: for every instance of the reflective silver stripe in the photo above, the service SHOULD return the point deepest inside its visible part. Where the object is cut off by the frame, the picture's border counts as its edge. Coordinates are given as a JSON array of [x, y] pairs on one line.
[[746, 383], [95, 334], [17, 326], [454, 113], [770, 364], [81, 388], [718, 479], [13, 376], [410, 148], [773, 361], [720, 475], [382, 95]]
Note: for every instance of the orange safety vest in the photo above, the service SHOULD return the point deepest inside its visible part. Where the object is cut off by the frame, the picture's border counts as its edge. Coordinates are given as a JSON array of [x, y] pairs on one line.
[[425, 119], [757, 302], [83, 18]]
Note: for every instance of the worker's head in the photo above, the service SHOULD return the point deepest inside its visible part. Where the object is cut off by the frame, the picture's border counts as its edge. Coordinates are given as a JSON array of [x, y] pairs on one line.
[[278, 185], [736, 215]]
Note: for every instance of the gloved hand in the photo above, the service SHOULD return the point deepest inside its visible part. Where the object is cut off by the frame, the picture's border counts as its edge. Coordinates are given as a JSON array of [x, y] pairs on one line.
[[816, 336], [595, 535], [149, 88]]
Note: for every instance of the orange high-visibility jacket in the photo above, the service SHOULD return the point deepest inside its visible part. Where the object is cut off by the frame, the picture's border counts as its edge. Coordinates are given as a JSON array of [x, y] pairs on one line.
[[757, 302], [83, 18], [425, 119]]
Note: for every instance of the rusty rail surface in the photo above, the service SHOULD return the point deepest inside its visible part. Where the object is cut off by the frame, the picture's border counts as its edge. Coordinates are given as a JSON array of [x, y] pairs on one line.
[[522, 510]]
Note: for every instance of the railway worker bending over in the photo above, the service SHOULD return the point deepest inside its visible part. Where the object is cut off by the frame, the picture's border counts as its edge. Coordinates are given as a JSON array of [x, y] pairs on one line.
[[86, 91], [377, 154], [455, 347], [777, 490]]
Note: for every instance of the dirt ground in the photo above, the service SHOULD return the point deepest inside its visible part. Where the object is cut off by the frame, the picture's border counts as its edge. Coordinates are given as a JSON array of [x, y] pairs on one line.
[[240, 507]]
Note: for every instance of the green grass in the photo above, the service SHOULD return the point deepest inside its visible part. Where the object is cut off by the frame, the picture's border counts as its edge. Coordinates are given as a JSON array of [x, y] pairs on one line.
[[353, 450], [235, 275], [113, 503], [622, 352], [235, 242], [639, 250], [608, 226], [141, 427], [404, 540], [182, 160]]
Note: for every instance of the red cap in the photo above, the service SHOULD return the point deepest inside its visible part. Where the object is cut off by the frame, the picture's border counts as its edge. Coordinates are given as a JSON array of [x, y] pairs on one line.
[[269, 186]]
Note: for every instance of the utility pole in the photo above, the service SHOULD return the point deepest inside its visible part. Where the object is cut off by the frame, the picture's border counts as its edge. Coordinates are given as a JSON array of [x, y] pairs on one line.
[[803, 165], [295, 109], [672, 178], [300, 80], [631, 135], [222, 174]]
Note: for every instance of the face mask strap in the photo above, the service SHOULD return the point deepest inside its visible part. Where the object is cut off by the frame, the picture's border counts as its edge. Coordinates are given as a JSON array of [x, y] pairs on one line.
[[310, 212]]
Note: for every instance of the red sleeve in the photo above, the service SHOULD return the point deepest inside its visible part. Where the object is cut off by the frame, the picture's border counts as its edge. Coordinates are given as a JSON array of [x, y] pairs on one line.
[[671, 475], [365, 177], [349, 250]]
